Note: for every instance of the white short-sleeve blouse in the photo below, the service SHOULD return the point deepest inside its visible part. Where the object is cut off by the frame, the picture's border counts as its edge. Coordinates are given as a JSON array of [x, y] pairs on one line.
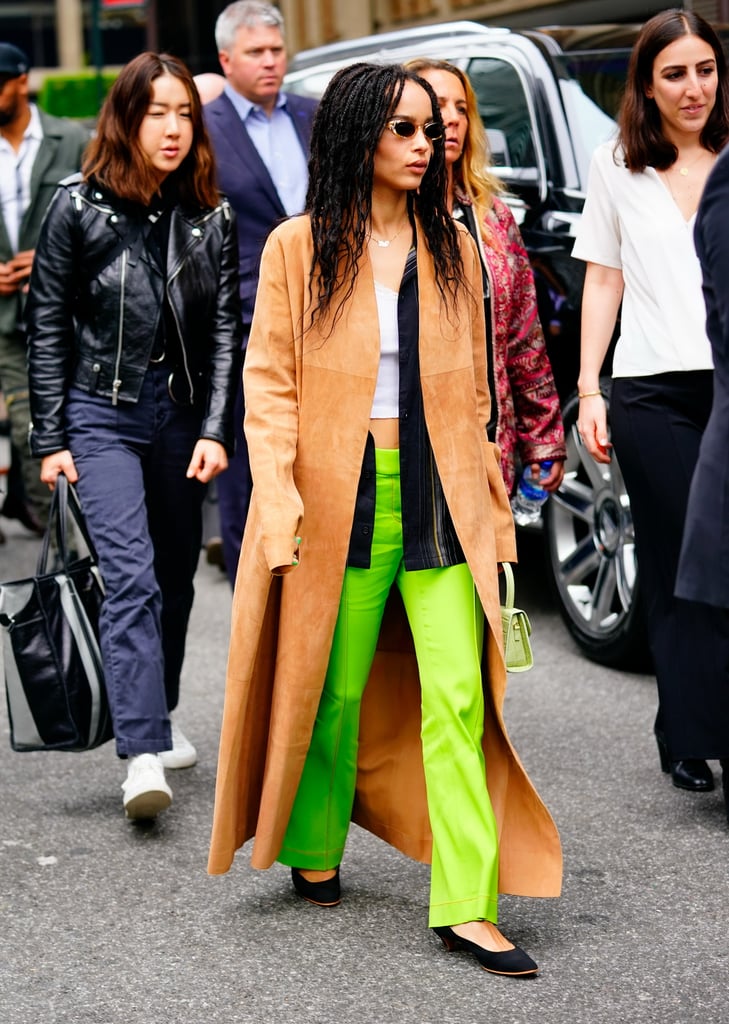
[[632, 223]]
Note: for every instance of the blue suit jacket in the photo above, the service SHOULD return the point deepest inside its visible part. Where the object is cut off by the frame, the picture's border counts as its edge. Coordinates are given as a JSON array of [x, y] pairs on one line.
[[703, 571], [245, 180]]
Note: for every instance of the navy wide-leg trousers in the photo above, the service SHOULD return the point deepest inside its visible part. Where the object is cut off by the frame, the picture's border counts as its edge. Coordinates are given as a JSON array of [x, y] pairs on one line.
[[145, 519]]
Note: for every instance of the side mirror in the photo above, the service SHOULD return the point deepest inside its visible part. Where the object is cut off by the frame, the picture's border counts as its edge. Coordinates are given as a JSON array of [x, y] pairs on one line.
[[498, 147], [501, 163]]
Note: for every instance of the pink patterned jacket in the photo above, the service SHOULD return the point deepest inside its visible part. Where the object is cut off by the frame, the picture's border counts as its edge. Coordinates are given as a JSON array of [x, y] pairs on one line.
[[529, 423]]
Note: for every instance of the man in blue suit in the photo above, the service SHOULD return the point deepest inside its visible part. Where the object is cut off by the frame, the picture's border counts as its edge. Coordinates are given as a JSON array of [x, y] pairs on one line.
[[261, 140]]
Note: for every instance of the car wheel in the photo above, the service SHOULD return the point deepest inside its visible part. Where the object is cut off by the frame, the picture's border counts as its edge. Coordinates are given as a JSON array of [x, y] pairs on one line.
[[591, 556]]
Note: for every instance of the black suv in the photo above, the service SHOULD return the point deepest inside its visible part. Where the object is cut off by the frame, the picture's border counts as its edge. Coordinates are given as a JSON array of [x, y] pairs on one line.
[[548, 98]]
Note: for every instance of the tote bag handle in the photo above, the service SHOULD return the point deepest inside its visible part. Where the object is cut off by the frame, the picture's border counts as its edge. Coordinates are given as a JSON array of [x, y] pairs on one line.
[[63, 502]]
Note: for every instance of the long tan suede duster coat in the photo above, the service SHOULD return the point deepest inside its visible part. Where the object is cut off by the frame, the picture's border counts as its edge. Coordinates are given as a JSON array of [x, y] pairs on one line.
[[308, 399]]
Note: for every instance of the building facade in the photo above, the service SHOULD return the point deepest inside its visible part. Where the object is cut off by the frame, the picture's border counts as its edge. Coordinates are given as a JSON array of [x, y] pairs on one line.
[[77, 33]]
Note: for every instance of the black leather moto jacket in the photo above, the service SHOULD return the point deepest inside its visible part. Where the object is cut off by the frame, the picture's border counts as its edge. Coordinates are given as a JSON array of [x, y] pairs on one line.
[[95, 302]]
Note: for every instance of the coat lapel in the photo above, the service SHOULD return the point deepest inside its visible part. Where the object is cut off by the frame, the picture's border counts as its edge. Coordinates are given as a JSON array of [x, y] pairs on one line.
[[45, 158], [301, 117], [234, 134]]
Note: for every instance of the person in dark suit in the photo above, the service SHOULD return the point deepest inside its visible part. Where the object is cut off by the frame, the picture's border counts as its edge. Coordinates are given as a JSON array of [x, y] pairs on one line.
[[36, 152], [260, 136], [703, 569]]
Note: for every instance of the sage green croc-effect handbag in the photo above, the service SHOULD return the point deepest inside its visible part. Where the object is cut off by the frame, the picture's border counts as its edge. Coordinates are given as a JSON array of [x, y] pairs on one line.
[[517, 629]]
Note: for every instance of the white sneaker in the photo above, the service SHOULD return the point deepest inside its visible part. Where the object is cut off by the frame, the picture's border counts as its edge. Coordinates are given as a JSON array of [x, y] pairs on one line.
[[145, 791], [182, 755]]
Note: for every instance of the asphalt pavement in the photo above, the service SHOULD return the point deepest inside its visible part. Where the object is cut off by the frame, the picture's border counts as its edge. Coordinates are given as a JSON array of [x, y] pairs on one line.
[[103, 921]]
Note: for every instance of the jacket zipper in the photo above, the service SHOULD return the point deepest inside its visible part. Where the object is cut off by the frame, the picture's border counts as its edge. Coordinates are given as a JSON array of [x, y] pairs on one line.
[[226, 213], [116, 383], [179, 331]]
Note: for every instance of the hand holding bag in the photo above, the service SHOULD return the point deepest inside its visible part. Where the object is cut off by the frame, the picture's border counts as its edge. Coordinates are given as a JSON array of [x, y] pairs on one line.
[[517, 629], [52, 664]]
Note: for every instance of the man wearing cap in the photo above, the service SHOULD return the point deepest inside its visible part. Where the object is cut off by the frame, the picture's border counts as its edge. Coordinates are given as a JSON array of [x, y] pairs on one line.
[[36, 152]]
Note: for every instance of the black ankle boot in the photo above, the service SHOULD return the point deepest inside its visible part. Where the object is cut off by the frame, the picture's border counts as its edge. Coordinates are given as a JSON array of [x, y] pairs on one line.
[[691, 773], [725, 784]]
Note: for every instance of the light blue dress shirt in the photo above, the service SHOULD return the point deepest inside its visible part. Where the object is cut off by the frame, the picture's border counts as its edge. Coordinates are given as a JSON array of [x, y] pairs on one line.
[[278, 146], [15, 172]]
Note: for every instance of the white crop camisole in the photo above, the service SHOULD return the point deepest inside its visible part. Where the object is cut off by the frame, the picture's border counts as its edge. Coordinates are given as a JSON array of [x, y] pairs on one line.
[[385, 404]]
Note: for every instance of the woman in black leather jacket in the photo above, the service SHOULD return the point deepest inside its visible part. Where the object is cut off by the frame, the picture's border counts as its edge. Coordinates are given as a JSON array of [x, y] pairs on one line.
[[134, 326]]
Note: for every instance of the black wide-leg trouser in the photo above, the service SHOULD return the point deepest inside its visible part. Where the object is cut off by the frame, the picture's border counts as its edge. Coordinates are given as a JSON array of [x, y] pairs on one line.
[[656, 424]]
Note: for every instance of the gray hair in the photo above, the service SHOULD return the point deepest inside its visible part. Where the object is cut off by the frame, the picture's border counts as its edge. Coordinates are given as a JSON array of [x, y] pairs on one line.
[[245, 14]]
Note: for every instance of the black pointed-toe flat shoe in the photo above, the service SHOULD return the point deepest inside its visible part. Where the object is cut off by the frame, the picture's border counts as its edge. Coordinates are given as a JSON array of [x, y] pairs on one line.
[[693, 774], [514, 962], [322, 894]]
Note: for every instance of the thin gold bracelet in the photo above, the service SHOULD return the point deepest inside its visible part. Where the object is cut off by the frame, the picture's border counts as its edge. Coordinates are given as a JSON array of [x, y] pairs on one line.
[[588, 394]]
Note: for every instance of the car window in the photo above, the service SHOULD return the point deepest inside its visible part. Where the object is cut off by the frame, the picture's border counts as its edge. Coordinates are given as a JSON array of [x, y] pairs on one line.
[[590, 125], [601, 74], [309, 83], [503, 107], [592, 85]]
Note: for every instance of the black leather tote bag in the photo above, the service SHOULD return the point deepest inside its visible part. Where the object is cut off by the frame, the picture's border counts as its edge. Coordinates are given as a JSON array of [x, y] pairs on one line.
[[54, 679]]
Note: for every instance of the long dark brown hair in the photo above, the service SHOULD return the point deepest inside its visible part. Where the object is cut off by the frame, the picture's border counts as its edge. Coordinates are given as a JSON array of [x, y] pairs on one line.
[[641, 135], [350, 119], [114, 158]]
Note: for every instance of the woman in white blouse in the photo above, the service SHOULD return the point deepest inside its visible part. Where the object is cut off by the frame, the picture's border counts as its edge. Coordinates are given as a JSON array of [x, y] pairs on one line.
[[636, 236]]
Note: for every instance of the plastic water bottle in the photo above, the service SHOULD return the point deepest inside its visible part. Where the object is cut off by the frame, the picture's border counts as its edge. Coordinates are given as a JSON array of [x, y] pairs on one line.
[[530, 496], [5, 459]]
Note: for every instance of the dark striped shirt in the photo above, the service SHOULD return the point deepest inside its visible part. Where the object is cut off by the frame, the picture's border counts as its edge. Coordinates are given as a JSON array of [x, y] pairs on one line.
[[429, 536]]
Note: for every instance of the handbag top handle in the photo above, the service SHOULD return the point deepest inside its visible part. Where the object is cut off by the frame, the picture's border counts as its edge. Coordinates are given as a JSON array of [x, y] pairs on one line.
[[63, 502], [509, 581]]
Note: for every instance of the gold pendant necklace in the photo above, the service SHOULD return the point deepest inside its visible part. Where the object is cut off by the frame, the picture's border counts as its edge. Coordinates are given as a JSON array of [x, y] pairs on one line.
[[685, 168], [383, 243]]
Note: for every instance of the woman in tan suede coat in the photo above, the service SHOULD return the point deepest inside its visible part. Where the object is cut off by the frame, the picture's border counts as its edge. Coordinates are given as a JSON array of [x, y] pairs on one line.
[[323, 454]]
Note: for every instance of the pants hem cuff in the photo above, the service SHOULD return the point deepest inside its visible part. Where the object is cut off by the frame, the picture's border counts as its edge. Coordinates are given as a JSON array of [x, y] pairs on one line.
[[131, 749], [311, 861], [480, 908]]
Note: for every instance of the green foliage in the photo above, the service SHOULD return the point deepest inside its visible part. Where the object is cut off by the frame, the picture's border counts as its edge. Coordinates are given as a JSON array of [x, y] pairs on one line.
[[75, 95]]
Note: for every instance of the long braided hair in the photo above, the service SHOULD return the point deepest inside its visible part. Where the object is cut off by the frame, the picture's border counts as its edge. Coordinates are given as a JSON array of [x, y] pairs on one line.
[[351, 117]]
